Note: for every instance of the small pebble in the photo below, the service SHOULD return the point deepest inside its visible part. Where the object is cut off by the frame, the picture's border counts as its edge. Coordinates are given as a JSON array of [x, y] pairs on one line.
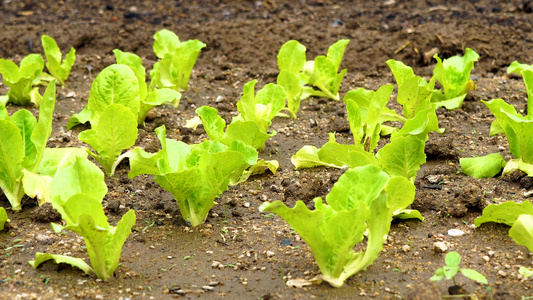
[[502, 273], [486, 258], [440, 247], [207, 288], [406, 248], [455, 232], [270, 253], [214, 283]]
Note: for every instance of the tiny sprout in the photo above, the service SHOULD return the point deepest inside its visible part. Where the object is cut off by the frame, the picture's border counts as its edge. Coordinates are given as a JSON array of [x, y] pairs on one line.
[[453, 259]]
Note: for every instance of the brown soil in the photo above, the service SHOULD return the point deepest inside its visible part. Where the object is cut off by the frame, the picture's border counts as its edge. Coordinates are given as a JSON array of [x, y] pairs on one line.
[[164, 259]]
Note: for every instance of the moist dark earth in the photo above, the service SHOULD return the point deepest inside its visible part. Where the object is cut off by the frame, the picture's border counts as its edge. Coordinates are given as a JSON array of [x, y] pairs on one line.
[[164, 259]]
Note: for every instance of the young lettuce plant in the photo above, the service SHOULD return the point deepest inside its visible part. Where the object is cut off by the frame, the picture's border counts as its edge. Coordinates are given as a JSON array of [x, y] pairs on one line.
[[77, 192], [322, 72], [22, 81], [177, 59], [245, 131], [291, 60], [123, 83], [453, 74], [196, 174], [518, 216], [60, 70], [22, 145], [115, 131], [363, 200]]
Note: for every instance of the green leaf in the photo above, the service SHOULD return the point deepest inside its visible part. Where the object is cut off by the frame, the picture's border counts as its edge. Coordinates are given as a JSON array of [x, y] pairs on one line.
[[291, 57], [26, 122], [505, 213], [165, 43], [376, 108], [484, 166], [474, 275], [61, 259], [43, 129], [401, 193], [20, 80], [526, 272], [11, 157], [116, 84], [55, 159], [516, 67], [158, 97], [183, 60], [439, 275], [36, 186], [291, 84], [403, 156], [454, 74], [116, 131], [3, 218], [135, 63], [57, 68], [260, 167], [522, 231], [453, 259], [81, 177], [365, 185]]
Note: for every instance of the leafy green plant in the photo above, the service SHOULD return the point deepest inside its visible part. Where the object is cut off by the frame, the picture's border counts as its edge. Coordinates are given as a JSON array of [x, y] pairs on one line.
[[77, 192], [322, 72], [291, 60], [123, 83], [363, 200], [116, 131], [22, 81], [518, 216], [453, 260], [196, 174], [177, 59], [57, 68], [3, 218], [22, 145], [453, 74]]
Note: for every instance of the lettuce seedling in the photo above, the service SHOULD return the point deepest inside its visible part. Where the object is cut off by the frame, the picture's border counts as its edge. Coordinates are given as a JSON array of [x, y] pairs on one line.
[[22, 145], [77, 192], [362, 200], [527, 72], [177, 59], [196, 174], [291, 60], [453, 260], [123, 83], [245, 131], [21, 81], [262, 107], [453, 74], [322, 72], [3, 218], [518, 216], [116, 131], [60, 70], [518, 129]]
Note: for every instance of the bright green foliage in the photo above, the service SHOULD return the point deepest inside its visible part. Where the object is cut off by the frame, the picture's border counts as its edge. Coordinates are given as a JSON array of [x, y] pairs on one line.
[[453, 260], [22, 144], [484, 166], [291, 60], [196, 174], [77, 192], [149, 96], [116, 84], [116, 131], [506, 213], [3, 218], [177, 60], [454, 76], [21, 81], [522, 231], [527, 72], [123, 83], [519, 132], [60, 70], [518, 216], [245, 131], [363, 199], [262, 107], [414, 92], [403, 156], [322, 72]]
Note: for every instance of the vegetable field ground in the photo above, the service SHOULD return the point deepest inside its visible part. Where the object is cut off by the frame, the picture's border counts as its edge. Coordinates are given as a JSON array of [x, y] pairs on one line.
[[240, 252]]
